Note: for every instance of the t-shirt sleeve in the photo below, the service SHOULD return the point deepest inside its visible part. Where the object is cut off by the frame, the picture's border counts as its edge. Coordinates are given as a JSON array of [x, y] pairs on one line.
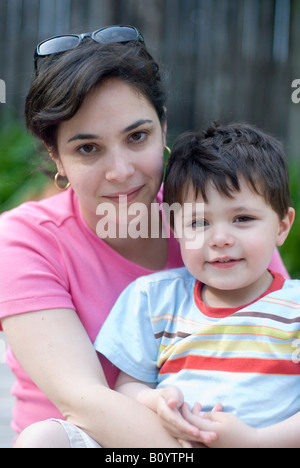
[[277, 265], [32, 274], [126, 339]]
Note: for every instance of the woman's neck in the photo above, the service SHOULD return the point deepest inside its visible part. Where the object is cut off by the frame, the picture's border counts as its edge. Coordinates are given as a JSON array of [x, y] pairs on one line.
[[148, 253], [141, 241]]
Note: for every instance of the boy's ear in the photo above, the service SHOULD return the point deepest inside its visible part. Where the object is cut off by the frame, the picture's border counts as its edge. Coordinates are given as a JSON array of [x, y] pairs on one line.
[[285, 226]]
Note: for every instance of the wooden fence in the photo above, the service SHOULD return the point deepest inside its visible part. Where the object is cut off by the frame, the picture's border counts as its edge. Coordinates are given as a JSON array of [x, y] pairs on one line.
[[225, 60]]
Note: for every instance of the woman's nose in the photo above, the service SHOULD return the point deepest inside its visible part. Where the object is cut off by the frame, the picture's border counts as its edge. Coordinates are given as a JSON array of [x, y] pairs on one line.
[[119, 169]]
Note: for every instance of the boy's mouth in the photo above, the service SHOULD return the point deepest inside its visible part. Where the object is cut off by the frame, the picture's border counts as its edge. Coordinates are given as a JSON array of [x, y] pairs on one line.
[[225, 262]]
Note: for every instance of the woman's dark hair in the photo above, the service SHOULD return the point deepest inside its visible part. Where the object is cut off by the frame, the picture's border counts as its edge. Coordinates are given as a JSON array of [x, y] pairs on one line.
[[222, 156], [64, 80]]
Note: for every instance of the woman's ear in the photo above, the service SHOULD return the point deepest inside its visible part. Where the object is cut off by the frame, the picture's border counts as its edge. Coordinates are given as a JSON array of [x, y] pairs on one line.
[[56, 159], [285, 226], [60, 167]]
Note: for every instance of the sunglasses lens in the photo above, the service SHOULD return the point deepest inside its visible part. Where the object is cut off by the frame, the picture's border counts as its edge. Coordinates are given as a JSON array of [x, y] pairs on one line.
[[117, 34], [58, 44]]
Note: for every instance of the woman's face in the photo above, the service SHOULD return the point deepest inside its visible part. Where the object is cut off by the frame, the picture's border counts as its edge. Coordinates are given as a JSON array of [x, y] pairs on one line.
[[112, 147]]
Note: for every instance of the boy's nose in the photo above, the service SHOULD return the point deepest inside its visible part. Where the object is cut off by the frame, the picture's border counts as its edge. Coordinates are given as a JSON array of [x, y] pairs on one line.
[[221, 237]]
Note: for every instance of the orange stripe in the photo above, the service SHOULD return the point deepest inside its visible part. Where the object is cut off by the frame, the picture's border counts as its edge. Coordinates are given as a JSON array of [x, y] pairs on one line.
[[283, 302], [246, 365]]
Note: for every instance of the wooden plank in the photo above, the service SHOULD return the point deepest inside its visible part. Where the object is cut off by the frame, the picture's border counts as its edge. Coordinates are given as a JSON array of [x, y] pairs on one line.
[[216, 51]]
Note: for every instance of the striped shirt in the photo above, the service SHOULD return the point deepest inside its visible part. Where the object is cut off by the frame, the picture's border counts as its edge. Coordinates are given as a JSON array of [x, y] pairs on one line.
[[245, 358]]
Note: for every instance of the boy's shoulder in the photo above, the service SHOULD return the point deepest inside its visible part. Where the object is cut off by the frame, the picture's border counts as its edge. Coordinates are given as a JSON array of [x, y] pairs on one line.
[[175, 275], [290, 289], [287, 298]]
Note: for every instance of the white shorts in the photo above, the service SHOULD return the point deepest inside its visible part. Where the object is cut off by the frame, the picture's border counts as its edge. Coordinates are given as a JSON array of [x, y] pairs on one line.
[[77, 437]]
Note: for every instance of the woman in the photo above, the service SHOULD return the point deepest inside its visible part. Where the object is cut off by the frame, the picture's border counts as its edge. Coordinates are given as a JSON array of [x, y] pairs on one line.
[[98, 105]]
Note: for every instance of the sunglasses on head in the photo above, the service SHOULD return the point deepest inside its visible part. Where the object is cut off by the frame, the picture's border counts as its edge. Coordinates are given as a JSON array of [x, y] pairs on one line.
[[109, 34]]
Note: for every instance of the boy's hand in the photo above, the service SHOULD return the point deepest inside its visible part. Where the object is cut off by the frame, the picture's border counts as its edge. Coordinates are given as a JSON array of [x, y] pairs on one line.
[[229, 430], [170, 403]]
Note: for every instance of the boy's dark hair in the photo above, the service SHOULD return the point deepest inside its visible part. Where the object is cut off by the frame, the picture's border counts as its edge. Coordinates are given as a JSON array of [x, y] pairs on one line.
[[224, 154]]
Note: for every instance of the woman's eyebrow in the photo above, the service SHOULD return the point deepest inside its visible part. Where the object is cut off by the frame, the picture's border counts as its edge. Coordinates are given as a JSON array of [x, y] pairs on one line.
[[88, 136], [83, 136], [136, 124]]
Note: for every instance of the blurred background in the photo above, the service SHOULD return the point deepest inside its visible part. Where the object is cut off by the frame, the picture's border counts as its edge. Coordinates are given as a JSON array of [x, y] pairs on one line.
[[223, 60]]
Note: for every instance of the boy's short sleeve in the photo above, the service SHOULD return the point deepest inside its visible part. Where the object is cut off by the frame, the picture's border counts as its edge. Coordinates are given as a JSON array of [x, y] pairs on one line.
[[127, 339]]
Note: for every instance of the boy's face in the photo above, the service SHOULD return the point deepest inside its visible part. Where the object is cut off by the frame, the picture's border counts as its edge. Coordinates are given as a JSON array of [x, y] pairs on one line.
[[239, 237]]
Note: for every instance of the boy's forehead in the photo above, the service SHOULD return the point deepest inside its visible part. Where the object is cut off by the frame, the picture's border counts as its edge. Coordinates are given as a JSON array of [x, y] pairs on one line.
[[191, 194], [246, 192]]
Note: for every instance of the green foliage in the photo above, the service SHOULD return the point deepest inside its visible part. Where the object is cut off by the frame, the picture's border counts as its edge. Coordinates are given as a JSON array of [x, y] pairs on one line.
[[290, 251], [19, 171]]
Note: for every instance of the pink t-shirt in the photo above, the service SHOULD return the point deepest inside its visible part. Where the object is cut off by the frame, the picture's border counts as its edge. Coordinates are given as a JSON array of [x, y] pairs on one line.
[[51, 259]]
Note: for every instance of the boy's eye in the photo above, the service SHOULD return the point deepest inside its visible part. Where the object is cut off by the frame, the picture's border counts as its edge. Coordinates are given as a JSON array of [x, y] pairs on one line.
[[199, 223], [243, 219]]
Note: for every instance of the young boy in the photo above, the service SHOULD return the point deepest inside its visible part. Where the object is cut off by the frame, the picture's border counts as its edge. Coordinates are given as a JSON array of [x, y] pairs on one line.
[[225, 329]]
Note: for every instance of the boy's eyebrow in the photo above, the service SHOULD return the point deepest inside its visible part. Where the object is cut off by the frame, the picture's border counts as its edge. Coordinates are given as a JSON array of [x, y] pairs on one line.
[[246, 208], [238, 209]]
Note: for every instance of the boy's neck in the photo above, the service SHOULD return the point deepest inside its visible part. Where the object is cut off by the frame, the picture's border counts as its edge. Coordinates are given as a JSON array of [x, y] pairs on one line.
[[235, 298]]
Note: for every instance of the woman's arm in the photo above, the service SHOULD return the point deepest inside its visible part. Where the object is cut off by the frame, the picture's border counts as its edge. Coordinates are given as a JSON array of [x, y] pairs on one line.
[[56, 352], [167, 403], [167, 398]]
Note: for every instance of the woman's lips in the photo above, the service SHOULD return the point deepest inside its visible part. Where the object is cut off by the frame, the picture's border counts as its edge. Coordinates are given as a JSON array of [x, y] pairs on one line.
[[124, 197]]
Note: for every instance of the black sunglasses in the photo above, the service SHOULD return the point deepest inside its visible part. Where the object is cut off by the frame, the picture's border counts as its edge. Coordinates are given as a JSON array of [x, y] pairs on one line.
[[109, 34]]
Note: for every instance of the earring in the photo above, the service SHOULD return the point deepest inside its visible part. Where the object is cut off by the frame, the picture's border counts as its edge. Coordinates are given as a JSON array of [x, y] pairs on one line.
[[57, 184], [169, 155]]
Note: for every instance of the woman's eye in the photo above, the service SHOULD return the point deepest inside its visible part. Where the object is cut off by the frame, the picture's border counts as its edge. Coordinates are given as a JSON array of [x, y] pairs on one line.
[[138, 137], [87, 149]]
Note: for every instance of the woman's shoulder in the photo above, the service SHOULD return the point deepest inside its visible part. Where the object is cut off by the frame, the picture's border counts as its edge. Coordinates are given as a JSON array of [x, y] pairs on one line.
[[56, 210]]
